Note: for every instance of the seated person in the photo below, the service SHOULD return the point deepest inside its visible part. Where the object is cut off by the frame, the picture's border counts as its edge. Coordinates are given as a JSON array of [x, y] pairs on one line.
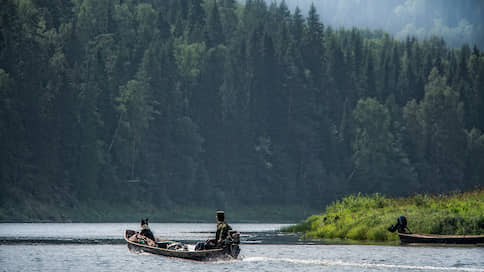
[[221, 234], [145, 229], [222, 228], [145, 236]]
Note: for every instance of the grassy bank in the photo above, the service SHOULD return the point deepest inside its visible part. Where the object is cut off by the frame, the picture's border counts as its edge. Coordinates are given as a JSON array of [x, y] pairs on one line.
[[366, 218]]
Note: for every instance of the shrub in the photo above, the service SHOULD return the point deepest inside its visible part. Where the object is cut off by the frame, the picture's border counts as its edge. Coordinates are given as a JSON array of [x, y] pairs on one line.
[[378, 234], [357, 233], [360, 217]]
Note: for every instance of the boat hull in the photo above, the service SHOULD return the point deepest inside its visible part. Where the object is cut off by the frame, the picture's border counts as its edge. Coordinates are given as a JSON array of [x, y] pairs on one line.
[[230, 252], [406, 238]]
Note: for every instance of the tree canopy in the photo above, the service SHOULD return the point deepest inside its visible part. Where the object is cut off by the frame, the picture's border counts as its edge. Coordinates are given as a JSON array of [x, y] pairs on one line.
[[214, 104]]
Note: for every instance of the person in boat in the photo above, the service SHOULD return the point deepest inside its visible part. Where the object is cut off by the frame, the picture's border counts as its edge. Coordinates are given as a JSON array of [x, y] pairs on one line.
[[223, 230], [145, 229], [145, 236]]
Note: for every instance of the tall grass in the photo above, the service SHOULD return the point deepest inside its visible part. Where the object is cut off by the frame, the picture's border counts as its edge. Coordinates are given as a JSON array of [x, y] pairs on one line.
[[366, 218]]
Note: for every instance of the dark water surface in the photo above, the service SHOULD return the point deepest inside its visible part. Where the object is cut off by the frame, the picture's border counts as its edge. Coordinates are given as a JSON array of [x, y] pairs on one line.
[[99, 247]]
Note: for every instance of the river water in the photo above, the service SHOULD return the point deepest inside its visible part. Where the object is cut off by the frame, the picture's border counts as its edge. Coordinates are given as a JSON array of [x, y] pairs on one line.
[[100, 247]]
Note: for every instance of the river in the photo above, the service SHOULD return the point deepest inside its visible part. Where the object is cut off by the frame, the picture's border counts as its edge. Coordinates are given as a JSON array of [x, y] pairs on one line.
[[100, 247]]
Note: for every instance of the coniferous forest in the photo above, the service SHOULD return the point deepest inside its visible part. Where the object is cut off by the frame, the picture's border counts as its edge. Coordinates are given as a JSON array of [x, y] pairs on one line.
[[179, 107], [455, 21]]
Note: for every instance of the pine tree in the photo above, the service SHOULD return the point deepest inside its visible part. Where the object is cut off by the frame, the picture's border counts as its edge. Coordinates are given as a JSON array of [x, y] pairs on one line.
[[214, 26], [443, 129], [297, 26], [195, 21], [313, 50]]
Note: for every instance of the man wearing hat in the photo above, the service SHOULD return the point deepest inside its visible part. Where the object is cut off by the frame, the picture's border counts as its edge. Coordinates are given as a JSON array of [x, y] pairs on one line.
[[222, 228], [220, 236]]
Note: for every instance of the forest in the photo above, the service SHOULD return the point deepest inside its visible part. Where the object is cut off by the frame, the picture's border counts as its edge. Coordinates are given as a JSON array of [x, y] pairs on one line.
[[455, 21], [175, 108]]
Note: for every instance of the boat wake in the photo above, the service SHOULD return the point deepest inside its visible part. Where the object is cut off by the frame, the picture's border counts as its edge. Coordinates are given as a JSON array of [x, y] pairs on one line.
[[362, 265]]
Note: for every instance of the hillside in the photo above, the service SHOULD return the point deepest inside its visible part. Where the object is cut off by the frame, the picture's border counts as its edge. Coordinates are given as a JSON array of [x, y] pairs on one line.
[[114, 109]]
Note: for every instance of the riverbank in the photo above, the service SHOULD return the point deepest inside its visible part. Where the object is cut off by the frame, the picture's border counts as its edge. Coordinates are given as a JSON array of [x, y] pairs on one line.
[[366, 218]]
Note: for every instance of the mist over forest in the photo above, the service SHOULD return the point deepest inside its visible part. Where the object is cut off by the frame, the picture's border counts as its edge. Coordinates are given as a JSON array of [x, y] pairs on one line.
[[458, 22]]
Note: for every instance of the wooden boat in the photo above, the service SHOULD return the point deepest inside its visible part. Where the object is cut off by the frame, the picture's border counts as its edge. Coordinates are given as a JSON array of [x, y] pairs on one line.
[[418, 238], [231, 251]]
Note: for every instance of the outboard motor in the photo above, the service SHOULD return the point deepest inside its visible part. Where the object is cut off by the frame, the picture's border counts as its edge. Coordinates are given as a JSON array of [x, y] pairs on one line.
[[401, 225], [235, 235], [231, 244]]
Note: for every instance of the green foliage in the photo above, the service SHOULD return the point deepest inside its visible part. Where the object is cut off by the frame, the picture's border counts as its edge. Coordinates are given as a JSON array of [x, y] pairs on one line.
[[304, 226], [223, 104], [373, 138], [189, 59], [366, 218], [436, 125]]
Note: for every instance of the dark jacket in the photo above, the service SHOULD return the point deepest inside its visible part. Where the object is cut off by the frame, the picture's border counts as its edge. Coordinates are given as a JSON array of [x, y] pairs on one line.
[[222, 231], [148, 233]]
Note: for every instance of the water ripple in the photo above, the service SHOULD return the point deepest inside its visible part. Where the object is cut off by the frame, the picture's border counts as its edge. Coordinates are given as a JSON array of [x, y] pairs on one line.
[[364, 265]]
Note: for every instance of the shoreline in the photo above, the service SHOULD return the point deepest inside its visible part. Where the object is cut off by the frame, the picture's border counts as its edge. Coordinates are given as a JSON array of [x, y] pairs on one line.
[[363, 218]]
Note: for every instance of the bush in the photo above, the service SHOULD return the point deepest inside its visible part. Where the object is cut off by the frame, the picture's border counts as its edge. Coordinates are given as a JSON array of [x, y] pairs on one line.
[[360, 217], [357, 233], [377, 234]]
